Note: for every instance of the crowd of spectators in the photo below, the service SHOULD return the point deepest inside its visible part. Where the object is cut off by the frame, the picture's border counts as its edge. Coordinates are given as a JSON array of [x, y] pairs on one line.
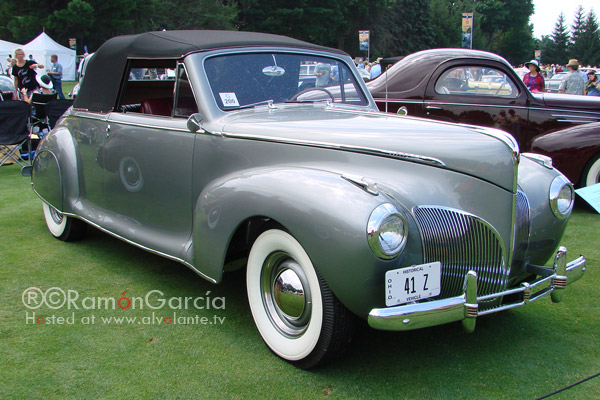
[[574, 78]]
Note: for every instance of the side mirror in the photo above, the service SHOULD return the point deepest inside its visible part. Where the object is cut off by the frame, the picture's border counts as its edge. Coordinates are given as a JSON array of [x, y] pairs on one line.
[[194, 123], [402, 111]]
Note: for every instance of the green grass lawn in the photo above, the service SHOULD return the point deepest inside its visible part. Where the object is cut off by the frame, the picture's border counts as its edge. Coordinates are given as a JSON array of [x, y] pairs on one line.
[[520, 354], [67, 86]]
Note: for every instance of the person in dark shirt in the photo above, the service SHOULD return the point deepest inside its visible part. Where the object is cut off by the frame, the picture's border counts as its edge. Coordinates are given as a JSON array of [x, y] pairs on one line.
[[24, 73]]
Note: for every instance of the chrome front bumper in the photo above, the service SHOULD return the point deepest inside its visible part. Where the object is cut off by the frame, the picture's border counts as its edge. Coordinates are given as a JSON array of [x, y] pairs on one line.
[[465, 308]]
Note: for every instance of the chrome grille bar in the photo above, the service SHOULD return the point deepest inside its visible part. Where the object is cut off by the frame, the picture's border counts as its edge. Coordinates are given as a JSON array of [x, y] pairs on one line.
[[462, 242]]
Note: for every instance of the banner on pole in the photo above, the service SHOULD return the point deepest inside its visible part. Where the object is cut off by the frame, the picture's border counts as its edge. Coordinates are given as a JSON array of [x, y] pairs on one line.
[[363, 40], [467, 31]]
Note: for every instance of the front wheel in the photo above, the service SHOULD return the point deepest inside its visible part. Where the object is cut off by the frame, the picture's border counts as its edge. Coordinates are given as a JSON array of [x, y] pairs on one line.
[[294, 310], [64, 228]]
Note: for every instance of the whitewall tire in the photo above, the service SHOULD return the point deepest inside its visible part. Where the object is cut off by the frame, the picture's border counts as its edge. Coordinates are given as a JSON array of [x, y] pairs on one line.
[[293, 308], [62, 227], [591, 174]]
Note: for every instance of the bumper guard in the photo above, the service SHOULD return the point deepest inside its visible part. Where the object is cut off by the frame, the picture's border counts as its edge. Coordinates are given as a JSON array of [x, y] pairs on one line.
[[465, 307]]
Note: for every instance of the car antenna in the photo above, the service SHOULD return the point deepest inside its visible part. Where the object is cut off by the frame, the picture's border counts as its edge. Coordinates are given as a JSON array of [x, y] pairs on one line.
[[386, 87]]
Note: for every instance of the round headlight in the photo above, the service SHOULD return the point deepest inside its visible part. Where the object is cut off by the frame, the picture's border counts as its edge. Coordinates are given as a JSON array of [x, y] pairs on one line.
[[386, 231], [562, 197]]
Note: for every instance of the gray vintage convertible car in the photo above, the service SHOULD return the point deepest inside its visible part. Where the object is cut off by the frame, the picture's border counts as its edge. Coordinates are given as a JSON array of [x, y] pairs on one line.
[[209, 149]]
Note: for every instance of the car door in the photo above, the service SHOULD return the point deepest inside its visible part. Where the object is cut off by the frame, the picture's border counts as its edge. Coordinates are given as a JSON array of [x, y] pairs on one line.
[[148, 155], [479, 93]]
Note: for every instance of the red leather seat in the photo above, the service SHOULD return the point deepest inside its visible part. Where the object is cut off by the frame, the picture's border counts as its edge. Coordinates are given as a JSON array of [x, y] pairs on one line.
[[157, 107]]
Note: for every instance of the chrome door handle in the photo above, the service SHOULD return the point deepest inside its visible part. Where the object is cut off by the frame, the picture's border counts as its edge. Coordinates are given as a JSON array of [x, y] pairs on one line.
[[433, 108]]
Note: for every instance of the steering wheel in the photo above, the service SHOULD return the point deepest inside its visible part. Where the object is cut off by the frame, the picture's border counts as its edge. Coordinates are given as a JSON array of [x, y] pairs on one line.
[[295, 97]]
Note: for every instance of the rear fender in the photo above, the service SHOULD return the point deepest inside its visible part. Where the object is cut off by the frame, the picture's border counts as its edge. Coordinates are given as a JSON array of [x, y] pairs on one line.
[[55, 178]]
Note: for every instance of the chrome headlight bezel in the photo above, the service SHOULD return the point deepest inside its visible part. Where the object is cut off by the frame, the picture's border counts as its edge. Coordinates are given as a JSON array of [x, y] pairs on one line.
[[562, 197], [383, 241]]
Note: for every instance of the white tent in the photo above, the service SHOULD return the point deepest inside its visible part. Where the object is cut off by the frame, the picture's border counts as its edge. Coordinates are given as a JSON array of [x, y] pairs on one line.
[[42, 47], [6, 50]]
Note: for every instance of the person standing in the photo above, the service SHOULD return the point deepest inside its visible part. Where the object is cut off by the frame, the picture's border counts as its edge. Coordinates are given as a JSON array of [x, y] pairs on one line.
[[534, 79], [24, 73], [55, 72], [322, 72], [573, 83], [592, 86]]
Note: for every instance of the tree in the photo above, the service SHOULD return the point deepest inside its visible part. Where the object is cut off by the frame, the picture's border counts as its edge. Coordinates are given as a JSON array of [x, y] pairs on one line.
[[576, 48], [558, 52], [590, 41], [499, 26], [194, 14], [334, 23], [401, 28], [445, 25], [78, 17]]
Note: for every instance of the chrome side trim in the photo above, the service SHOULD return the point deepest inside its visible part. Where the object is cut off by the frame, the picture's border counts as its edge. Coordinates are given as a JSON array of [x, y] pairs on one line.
[[355, 149], [465, 307], [540, 159], [159, 127], [384, 100], [576, 116], [363, 183], [577, 121], [592, 114], [443, 103]]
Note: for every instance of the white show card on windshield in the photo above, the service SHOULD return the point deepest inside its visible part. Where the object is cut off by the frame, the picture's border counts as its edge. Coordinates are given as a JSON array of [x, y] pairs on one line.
[[229, 99]]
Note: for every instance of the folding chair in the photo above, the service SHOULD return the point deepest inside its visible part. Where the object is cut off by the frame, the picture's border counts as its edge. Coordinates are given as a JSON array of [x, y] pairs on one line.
[[38, 122], [55, 109], [39, 117], [14, 116]]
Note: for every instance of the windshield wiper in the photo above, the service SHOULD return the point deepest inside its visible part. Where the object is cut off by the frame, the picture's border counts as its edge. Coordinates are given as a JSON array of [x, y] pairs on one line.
[[309, 101], [269, 102]]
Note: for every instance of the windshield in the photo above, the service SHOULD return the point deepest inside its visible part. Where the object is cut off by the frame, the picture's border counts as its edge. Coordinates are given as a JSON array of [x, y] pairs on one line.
[[245, 80]]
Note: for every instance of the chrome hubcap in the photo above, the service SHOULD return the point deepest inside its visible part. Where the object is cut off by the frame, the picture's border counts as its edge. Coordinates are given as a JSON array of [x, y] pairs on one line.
[[56, 216], [131, 174], [286, 294]]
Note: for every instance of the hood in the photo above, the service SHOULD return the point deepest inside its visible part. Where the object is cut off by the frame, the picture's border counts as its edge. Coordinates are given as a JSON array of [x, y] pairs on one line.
[[486, 153], [568, 101]]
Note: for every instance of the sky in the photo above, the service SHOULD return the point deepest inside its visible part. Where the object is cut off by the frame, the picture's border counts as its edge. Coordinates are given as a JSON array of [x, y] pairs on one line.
[[547, 11]]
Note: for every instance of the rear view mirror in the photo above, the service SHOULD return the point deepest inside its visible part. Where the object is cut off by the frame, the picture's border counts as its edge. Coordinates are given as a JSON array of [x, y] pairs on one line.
[[194, 123], [273, 71]]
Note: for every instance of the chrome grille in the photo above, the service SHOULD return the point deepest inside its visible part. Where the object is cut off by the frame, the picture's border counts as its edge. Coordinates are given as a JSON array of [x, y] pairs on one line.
[[462, 242]]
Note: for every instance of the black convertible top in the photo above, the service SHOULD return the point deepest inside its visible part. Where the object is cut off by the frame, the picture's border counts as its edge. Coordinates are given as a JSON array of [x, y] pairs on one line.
[[105, 69]]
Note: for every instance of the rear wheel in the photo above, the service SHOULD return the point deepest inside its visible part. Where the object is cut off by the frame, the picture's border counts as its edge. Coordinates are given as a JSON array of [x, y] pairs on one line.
[[294, 310], [591, 173], [64, 228]]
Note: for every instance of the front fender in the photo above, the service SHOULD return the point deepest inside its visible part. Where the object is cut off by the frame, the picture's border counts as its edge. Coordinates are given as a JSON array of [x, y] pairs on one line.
[[546, 229], [325, 213]]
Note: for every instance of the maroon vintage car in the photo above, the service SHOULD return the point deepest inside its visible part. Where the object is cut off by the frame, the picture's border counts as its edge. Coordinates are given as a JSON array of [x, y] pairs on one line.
[[478, 88], [575, 152]]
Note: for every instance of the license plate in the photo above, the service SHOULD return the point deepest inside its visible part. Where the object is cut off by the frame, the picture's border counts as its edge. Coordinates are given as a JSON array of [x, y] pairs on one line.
[[414, 283]]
